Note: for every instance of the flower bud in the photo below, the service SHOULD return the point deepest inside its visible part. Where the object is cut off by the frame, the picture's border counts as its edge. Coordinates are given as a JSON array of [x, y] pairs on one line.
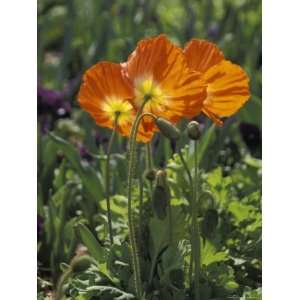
[[167, 129], [161, 195], [81, 263], [150, 174], [194, 130], [210, 222]]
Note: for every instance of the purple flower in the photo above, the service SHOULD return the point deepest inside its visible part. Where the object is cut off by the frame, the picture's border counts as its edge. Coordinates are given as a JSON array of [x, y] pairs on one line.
[[84, 153], [40, 225], [51, 106], [213, 30], [49, 97]]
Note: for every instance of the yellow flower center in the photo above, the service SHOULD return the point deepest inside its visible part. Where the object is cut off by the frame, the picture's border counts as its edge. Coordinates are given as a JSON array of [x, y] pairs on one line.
[[114, 106], [148, 89]]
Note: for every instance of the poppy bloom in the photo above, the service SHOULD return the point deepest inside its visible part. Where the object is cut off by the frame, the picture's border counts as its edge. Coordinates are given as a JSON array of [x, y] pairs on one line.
[[227, 83], [104, 95], [159, 74]]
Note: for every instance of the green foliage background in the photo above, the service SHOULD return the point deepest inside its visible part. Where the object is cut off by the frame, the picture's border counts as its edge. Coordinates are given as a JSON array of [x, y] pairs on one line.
[[72, 36]]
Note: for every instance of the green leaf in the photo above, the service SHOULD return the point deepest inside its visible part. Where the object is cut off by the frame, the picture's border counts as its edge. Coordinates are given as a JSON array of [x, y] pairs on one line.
[[223, 275], [241, 211], [210, 255], [47, 162], [252, 294], [159, 230], [219, 185], [253, 162], [118, 205], [172, 266], [91, 181], [103, 268], [108, 292], [94, 247], [61, 203]]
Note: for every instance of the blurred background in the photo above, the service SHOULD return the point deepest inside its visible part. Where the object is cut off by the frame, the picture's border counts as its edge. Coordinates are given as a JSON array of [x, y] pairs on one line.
[[75, 34]]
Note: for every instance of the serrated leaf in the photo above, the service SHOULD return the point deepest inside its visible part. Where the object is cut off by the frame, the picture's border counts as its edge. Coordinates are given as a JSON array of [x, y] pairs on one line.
[[108, 291], [210, 255], [241, 211]]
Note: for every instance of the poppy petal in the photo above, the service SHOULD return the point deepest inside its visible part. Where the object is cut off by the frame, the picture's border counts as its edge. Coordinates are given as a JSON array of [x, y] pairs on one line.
[[227, 90], [159, 68], [105, 92], [201, 55]]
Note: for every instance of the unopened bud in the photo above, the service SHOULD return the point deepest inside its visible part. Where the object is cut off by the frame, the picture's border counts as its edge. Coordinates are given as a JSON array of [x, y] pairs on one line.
[[194, 130], [210, 222], [161, 178], [81, 263], [150, 174], [167, 129], [161, 195]]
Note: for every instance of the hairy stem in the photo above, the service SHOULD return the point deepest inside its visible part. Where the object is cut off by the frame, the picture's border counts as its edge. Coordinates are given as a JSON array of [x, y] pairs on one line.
[[191, 266], [196, 236], [190, 178], [62, 280], [149, 162], [141, 196], [149, 156], [111, 237], [186, 169], [170, 222], [132, 238]]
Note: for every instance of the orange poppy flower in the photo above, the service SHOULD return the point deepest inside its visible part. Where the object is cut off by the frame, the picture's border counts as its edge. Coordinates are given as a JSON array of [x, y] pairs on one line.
[[104, 95], [159, 73], [227, 83]]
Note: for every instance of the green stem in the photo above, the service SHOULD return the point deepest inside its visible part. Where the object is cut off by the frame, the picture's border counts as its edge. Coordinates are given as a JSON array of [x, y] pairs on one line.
[[190, 178], [149, 163], [132, 238], [170, 222], [149, 156], [59, 289], [186, 169], [195, 227], [141, 196], [191, 266], [110, 143]]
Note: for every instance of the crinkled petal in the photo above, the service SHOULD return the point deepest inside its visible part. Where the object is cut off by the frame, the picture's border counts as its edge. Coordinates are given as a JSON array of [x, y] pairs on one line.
[[103, 83], [227, 91], [181, 90], [201, 55]]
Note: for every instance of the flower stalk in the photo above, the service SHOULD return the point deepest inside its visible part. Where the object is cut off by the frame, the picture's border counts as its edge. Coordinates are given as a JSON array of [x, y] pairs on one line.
[[149, 163], [190, 178], [109, 148], [132, 237], [141, 197], [195, 238], [195, 227]]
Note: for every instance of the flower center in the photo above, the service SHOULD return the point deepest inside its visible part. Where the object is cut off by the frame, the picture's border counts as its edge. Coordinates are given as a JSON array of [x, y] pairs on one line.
[[146, 89], [115, 107]]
